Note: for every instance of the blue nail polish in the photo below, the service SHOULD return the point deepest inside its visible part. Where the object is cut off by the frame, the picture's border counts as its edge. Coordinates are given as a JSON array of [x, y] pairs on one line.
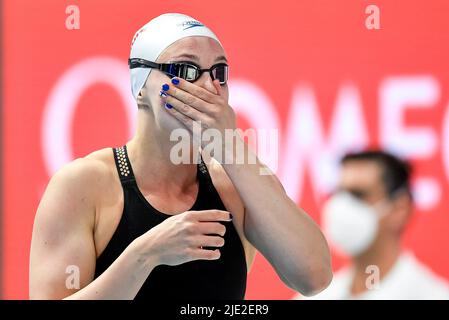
[[168, 106], [163, 94], [175, 81], [165, 87]]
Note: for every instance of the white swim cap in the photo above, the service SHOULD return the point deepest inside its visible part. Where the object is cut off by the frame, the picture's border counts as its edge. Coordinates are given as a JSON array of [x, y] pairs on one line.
[[154, 37]]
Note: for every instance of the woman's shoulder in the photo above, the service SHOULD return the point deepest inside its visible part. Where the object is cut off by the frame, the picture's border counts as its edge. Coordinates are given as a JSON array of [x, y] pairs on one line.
[[75, 190], [91, 165], [89, 173]]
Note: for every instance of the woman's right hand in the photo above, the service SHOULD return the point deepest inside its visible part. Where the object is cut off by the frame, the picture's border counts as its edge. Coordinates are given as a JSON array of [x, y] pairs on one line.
[[182, 237]]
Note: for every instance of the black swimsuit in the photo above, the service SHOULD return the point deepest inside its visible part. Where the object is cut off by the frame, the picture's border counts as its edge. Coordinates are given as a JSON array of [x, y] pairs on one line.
[[220, 279]]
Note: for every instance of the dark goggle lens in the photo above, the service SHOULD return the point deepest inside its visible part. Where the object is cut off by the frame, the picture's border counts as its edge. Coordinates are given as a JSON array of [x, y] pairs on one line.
[[192, 73], [220, 72], [189, 73]]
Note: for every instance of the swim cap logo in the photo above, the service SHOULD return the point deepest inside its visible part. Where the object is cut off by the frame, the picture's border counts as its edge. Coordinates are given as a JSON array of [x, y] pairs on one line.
[[136, 35], [191, 24]]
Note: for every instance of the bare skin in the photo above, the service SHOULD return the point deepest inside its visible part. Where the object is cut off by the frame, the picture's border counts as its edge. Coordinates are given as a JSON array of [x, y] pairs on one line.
[[83, 203], [365, 179]]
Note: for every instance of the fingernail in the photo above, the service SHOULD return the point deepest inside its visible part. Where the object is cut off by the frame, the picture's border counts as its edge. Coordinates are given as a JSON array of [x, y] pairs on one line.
[[165, 87], [163, 94], [168, 106], [175, 81]]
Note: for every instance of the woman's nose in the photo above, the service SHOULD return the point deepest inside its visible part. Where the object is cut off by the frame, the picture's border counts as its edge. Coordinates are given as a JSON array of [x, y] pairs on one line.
[[206, 82]]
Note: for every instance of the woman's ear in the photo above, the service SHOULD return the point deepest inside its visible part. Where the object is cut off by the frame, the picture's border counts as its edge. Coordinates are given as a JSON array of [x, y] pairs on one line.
[[141, 99], [401, 212]]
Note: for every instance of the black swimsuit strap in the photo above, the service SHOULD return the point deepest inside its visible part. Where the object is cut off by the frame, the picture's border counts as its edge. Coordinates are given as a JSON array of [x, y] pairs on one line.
[[126, 173], [123, 166]]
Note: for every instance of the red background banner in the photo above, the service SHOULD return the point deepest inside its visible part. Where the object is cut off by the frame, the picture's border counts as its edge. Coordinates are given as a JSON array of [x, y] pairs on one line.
[[309, 68]]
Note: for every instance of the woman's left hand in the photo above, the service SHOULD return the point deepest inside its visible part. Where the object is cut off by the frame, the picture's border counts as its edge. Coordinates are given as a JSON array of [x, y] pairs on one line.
[[191, 103]]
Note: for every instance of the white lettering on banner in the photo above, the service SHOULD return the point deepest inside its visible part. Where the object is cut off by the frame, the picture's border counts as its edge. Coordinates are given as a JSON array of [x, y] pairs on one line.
[[62, 102], [396, 95], [426, 192], [307, 148]]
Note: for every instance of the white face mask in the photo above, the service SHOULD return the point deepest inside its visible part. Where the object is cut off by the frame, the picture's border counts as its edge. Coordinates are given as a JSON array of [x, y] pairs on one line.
[[350, 224]]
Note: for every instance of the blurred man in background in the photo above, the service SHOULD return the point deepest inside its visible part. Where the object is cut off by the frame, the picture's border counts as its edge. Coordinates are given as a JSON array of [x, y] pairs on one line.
[[365, 220]]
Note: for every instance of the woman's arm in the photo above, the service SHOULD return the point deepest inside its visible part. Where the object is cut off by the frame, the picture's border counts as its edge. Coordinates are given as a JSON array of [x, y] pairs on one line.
[[281, 231], [63, 242]]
